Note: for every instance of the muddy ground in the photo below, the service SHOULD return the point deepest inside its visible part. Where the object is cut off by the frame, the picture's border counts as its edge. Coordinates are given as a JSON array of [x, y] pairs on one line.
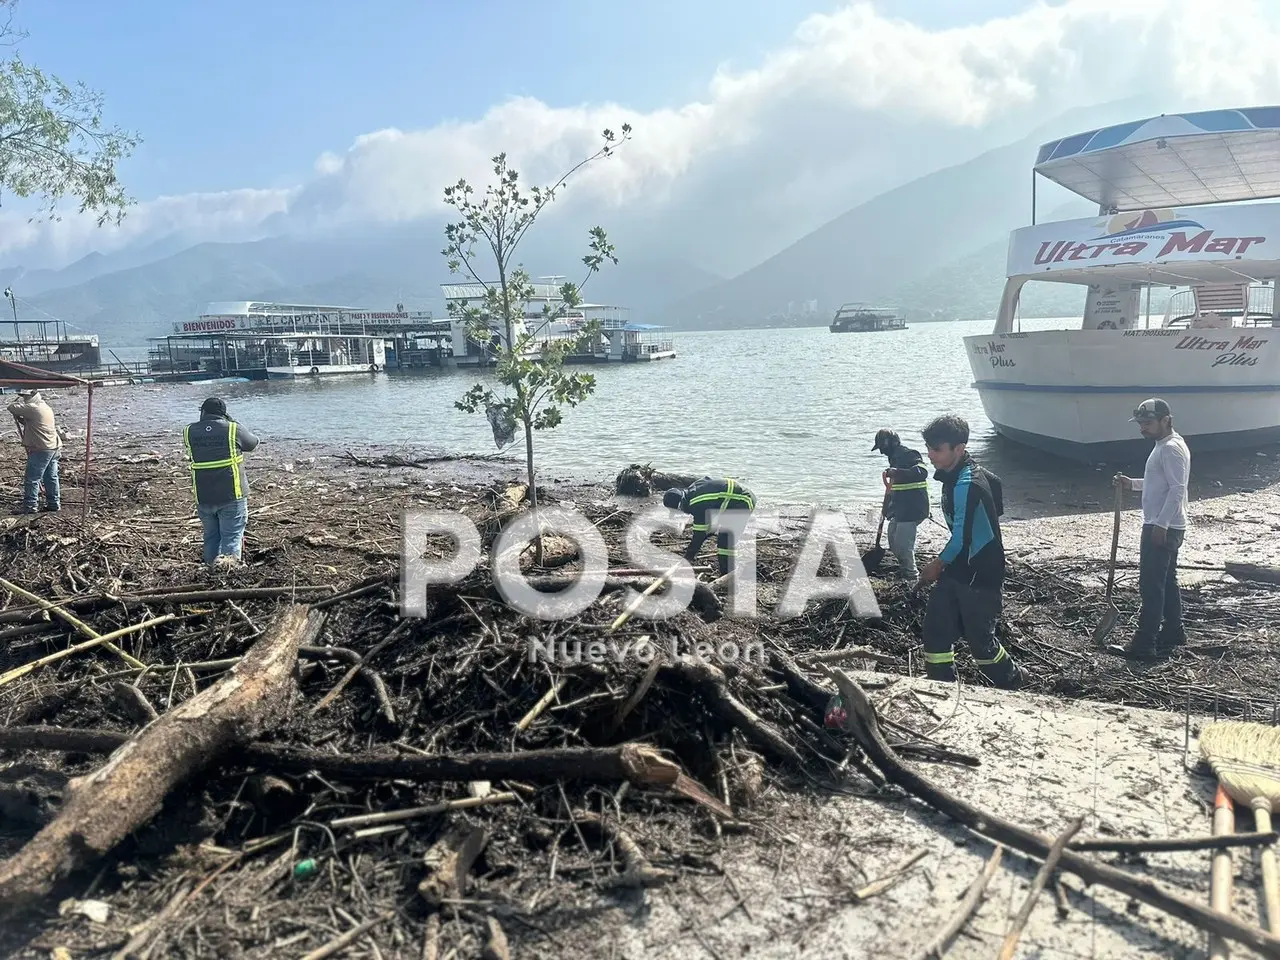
[[456, 685]]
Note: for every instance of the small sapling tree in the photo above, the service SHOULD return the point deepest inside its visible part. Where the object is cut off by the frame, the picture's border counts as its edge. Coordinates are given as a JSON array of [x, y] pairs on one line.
[[529, 359]]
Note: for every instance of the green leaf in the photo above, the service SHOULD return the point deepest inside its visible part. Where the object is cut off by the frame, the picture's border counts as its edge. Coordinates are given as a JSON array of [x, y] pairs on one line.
[[54, 143], [497, 222]]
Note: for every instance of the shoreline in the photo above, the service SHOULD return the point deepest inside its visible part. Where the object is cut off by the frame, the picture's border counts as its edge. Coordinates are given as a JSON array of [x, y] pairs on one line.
[[316, 518], [1229, 519]]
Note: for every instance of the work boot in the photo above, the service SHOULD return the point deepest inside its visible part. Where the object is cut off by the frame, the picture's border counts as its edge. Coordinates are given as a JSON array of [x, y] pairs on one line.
[[1168, 640], [1016, 679], [946, 672], [1142, 648]]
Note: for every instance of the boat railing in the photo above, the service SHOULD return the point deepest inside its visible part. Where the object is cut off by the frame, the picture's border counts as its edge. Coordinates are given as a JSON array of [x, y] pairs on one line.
[[1242, 304]]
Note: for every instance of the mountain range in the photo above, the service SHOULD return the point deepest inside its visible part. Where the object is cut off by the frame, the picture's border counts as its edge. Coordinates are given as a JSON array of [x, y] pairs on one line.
[[936, 246]]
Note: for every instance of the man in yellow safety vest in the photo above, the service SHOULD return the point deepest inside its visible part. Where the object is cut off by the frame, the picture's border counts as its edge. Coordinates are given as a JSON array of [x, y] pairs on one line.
[[216, 446]]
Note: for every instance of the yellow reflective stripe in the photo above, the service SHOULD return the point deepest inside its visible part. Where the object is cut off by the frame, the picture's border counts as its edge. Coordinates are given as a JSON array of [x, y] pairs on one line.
[[999, 656], [726, 551], [939, 658], [186, 443], [236, 459], [232, 461], [723, 498], [923, 485], [701, 527]]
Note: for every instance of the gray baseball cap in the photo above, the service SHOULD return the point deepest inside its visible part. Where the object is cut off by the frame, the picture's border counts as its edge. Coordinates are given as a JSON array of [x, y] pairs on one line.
[[1152, 409]]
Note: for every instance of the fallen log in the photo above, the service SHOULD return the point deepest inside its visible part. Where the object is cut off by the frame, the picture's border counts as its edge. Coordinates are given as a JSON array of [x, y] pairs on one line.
[[864, 725], [641, 765], [104, 807], [1257, 572]]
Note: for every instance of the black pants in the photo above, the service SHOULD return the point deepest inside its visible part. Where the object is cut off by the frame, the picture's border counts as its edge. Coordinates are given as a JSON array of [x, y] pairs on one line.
[[958, 610], [1160, 619], [726, 543]]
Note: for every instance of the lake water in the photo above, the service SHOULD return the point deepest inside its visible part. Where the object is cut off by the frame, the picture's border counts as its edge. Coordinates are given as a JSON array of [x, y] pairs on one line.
[[792, 413]]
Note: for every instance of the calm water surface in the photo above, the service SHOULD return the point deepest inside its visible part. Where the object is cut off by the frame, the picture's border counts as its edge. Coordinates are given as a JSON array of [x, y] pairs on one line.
[[791, 412]]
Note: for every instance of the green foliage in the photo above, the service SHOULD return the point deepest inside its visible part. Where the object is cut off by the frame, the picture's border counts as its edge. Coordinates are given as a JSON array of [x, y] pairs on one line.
[[529, 365], [53, 142]]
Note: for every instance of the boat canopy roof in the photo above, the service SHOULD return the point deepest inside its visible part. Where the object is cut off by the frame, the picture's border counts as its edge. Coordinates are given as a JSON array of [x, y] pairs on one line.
[[1176, 159], [228, 308]]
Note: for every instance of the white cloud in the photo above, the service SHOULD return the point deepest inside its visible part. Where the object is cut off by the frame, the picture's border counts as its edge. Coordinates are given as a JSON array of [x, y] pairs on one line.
[[853, 102]]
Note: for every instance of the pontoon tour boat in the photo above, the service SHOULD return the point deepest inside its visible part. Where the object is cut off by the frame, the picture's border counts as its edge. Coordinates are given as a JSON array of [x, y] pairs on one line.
[[862, 318], [1166, 224]]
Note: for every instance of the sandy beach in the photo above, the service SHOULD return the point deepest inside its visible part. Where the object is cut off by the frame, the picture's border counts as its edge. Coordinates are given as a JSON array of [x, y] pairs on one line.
[[798, 868]]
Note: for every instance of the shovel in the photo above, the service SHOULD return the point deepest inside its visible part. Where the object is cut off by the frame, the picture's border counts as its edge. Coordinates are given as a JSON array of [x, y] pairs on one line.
[[872, 559], [1109, 618]]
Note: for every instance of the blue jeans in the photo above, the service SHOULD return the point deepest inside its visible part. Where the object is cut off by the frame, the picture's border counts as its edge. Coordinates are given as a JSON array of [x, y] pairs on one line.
[[224, 525], [902, 541], [42, 467], [1160, 617]]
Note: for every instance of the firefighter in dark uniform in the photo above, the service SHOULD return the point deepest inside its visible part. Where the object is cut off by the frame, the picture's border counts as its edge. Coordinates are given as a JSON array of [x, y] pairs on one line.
[[701, 500], [906, 500], [970, 570]]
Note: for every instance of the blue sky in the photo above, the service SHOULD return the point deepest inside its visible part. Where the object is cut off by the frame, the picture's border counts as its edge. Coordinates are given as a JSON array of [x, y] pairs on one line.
[[234, 94], [756, 120]]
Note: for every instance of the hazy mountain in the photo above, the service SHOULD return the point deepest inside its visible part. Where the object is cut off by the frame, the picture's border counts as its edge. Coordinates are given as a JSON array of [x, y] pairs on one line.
[[936, 245], [887, 246], [971, 286], [375, 271]]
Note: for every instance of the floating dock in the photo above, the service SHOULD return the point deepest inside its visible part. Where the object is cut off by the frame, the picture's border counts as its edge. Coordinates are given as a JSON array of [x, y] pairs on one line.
[[260, 340]]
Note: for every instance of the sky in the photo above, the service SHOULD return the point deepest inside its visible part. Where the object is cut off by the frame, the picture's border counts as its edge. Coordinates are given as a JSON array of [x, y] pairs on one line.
[[756, 119]]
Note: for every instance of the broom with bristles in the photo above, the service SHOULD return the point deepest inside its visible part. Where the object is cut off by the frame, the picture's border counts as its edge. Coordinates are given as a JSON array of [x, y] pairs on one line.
[[1246, 759]]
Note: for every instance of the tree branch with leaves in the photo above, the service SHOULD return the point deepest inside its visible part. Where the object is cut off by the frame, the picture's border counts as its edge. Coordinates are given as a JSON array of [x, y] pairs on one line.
[[530, 361], [53, 141]]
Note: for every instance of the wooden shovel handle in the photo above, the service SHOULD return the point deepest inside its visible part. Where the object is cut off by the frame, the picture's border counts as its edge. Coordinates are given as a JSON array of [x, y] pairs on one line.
[[1267, 856], [1220, 879], [1115, 541]]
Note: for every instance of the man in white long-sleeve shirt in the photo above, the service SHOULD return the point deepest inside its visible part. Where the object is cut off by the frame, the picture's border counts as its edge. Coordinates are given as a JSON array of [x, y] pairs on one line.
[[1164, 525]]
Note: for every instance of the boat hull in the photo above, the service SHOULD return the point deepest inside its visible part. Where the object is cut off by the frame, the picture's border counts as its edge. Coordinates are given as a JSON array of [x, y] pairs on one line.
[[1071, 392], [301, 372]]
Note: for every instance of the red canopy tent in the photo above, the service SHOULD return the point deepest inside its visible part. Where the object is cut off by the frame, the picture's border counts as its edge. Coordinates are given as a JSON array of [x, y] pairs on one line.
[[33, 378]]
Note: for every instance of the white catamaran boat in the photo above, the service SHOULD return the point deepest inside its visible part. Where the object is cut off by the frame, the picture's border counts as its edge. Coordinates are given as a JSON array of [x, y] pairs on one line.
[[1164, 188]]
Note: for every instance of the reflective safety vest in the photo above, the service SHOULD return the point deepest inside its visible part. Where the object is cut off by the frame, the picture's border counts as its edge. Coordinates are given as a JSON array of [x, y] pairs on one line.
[[707, 495], [219, 479], [909, 491]]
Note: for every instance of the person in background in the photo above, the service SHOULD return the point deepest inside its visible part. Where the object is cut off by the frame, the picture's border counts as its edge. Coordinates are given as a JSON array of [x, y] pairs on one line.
[[970, 570], [700, 500], [215, 445], [1164, 526], [42, 439], [907, 501]]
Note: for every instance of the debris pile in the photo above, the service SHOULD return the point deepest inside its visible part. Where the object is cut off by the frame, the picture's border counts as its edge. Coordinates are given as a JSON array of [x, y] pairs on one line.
[[642, 480], [469, 779]]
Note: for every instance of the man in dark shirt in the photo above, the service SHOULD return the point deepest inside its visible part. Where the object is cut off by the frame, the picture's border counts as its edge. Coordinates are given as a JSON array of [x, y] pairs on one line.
[[907, 502], [701, 500], [216, 445], [970, 570]]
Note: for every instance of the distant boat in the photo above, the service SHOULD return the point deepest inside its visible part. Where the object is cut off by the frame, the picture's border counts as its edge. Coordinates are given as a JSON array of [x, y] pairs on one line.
[[861, 318]]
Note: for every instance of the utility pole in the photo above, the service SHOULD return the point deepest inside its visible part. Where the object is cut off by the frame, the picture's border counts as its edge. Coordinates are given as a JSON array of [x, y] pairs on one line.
[[17, 334]]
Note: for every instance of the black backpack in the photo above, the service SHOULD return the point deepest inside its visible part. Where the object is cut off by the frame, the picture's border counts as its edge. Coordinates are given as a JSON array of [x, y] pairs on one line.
[[996, 486]]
